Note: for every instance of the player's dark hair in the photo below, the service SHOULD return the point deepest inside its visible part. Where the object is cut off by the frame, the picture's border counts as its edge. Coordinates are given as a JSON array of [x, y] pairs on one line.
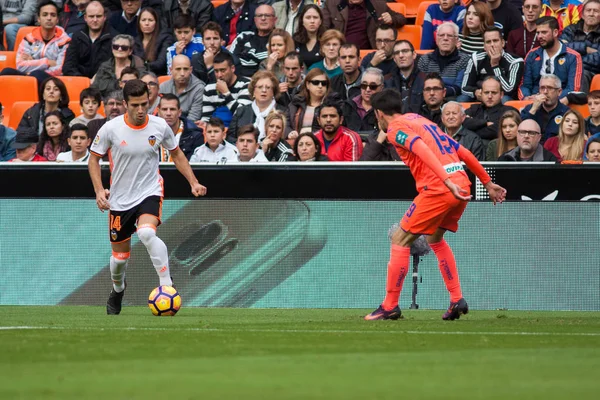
[[412, 48], [248, 129], [333, 100], [217, 122], [212, 26], [131, 71], [79, 127], [550, 21], [184, 21], [223, 57], [135, 88], [388, 101], [90, 92], [347, 46], [169, 96]]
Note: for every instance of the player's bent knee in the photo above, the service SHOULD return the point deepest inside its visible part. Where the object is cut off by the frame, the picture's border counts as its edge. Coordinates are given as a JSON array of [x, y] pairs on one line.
[[120, 257], [146, 233]]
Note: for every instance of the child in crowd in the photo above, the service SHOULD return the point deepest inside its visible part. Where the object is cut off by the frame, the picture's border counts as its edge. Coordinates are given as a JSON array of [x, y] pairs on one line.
[[215, 148], [592, 123], [89, 100]]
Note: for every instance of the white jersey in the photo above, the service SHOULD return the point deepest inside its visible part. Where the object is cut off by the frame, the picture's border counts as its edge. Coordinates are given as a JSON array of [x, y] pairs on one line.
[[226, 152], [134, 158]]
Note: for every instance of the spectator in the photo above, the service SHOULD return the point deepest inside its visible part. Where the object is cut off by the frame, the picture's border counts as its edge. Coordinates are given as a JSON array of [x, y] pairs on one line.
[[227, 93], [330, 44], [359, 115], [53, 96], [407, 79], [546, 110], [446, 11], [200, 12], [78, 141], [280, 44], [523, 39], [529, 148], [433, 99], [273, 146], [203, 63], [25, 144], [235, 17], [584, 38], [308, 34], [7, 138], [302, 114], [347, 84], [593, 150], [338, 143], [378, 148], [263, 89], [446, 60], [506, 16], [567, 12], [307, 148], [113, 107], [72, 16], [360, 21], [186, 86], [383, 58], [91, 46], [187, 135], [477, 20], [251, 46], [89, 100], [15, 15], [107, 78], [570, 142], [507, 136], [294, 76], [484, 116], [453, 116], [128, 74], [41, 53], [188, 43], [151, 80], [216, 149], [494, 61], [287, 12], [53, 139], [592, 124], [126, 22], [152, 42], [552, 57], [247, 145]]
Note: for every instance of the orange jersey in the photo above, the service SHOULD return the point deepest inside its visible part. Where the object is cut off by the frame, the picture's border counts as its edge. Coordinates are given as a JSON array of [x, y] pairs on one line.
[[404, 131]]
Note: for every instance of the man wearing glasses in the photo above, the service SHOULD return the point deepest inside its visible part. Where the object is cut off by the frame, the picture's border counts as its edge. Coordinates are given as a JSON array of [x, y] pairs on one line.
[[251, 47], [528, 145], [552, 57], [407, 79], [523, 39], [434, 92], [546, 110], [383, 58], [358, 112]]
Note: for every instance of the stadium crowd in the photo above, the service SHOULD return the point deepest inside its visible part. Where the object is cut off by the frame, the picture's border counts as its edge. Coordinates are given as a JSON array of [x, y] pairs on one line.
[[291, 80]]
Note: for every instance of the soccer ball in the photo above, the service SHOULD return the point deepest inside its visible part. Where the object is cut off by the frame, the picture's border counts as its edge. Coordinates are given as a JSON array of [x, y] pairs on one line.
[[164, 300]]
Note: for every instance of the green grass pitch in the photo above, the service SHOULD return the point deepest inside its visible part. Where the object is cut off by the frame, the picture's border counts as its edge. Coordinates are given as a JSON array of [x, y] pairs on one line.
[[81, 353]]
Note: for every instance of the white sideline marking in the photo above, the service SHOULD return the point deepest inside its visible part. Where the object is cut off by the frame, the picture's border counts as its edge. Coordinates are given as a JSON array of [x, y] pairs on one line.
[[175, 328]]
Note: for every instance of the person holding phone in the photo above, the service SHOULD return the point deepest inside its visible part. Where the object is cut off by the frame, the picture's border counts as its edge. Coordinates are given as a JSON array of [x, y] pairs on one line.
[[136, 193]]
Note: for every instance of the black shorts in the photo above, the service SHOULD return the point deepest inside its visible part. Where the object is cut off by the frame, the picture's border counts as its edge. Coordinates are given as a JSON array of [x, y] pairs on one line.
[[123, 224]]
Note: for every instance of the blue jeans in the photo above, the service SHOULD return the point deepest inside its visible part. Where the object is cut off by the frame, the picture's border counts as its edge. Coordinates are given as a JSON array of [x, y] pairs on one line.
[[11, 34]]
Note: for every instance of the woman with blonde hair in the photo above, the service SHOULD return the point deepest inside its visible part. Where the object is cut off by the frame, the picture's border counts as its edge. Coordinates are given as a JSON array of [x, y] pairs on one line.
[[477, 19], [279, 45], [273, 146], [330, 42], [570, 142], [507, 136]]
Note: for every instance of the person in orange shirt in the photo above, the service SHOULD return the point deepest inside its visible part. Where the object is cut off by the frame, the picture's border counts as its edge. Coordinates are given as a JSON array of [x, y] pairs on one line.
[[434, 160]]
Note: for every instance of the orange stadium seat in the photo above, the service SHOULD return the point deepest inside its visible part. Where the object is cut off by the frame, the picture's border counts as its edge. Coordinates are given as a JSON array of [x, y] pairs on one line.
[[75, 84], [582, 108], [17, 111], [24, 31], [8, 59], [421, 11], [163, 78], [412, 33], [16, 88], [466, 106], [421, 52], [363, 53], [75, 107], [217, 3], [595, 83], [412, 6], [398, 7], [518, 104]]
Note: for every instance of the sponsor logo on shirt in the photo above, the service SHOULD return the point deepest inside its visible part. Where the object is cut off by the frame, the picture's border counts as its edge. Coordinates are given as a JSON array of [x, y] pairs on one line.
[[454, 167], [401, 138]]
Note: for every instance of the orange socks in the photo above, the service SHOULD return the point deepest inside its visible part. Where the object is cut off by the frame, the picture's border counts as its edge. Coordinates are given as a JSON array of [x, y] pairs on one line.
[[447, 266], [397, 271]]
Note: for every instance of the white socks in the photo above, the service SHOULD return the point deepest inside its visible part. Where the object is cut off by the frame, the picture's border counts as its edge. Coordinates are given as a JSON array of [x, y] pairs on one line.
[[157, 251], [118, 265]]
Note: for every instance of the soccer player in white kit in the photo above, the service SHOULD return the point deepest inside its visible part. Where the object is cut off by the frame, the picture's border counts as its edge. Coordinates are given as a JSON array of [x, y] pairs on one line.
[[136, 192]]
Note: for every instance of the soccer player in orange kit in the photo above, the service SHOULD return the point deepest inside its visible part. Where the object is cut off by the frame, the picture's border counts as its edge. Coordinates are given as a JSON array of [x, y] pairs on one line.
[[434, 160]]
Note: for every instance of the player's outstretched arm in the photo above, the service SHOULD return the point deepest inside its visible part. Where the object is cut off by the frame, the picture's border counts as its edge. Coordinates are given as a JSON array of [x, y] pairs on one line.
[[101, 193], [183, 166], [497, 193]]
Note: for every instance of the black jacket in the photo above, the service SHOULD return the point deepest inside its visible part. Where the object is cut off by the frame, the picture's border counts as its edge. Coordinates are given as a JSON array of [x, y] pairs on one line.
[[363, 126], [223, 15], [481, 115], [338, 85], [375, 151], [200, 11], [158, 66], [31, 117], [84, 57], [541, 154], [470, 141], [208, 75], [410, 88], [70, 19], [280, 153], [574, 37], [243, 116], [423, 110], [295, 113], [191, 138]]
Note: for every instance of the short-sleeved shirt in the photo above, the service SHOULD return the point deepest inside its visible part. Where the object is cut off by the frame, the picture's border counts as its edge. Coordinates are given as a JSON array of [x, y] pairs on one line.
[[404, 131], [134, 158]]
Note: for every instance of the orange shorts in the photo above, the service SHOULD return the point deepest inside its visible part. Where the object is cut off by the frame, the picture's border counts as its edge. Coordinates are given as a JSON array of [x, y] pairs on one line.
[[428, 212]]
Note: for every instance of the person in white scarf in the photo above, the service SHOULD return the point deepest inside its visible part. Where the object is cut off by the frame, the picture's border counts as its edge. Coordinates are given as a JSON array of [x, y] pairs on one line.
[[260, 117]]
